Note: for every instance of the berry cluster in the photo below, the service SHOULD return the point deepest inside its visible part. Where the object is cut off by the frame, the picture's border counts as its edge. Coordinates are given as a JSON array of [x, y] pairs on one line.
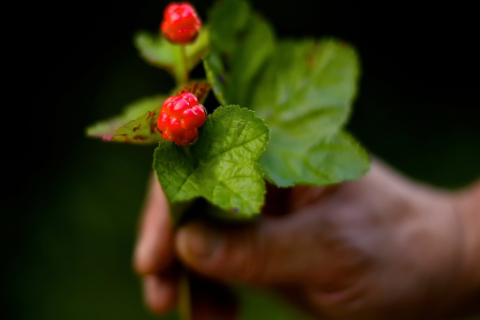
[[180, 118], [181, 23]]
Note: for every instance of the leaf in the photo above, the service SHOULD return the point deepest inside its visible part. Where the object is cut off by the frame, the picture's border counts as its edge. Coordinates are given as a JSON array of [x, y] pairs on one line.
[[137, 124], [332, 159], [244, 42], [142, 130], [222, 166], [302, 89], [305, 97], [227, 19], [308, 88], [216, 76], [159, 52], [257, 46], [199, 89]]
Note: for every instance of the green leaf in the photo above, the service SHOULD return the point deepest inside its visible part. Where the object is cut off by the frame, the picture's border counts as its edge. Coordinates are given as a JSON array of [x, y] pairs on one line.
[[244, 41], [222, 166], [227, 19], [216, 76], [137, 124], [308, 88], [303, 89], [257, 46], [305, 96], [159, 52], [332, 159]]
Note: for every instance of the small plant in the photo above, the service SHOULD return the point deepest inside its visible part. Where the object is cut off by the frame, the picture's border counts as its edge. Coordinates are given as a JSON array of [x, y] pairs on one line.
[[283, 106]]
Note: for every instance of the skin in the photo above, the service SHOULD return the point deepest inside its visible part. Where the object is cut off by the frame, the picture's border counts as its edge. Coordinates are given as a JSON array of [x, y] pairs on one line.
[[381, 247]]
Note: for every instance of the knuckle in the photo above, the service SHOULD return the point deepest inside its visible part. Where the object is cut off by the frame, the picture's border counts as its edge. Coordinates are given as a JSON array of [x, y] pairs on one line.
[[242, 257]]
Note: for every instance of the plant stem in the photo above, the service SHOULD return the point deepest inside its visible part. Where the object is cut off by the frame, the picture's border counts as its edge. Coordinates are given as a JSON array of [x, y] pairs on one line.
[[184, 301], [183, 52], [187, 151]]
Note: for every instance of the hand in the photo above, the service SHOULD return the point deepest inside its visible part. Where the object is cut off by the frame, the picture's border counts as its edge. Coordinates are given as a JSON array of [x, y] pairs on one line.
[[377, 248]]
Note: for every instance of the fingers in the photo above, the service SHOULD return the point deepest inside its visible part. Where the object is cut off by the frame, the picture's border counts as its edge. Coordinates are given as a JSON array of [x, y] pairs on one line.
[[209, 299], [160, 292], [155, 262], [274, 251], [153, 256], [154, 249]]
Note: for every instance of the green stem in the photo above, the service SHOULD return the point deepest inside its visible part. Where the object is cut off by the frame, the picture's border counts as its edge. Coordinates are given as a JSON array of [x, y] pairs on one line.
[[185, 75], [184, 299], [187, 151]]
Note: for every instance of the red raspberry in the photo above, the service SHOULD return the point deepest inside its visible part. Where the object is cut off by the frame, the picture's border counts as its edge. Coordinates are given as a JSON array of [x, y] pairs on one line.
[[180, 23], [180, 118]]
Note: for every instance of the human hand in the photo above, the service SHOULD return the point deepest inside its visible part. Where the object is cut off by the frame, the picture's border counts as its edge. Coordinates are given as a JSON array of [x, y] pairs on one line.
[[380, 247]]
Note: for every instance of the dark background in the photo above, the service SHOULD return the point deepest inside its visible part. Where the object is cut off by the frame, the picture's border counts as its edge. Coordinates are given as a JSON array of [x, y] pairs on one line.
[[72, 210]]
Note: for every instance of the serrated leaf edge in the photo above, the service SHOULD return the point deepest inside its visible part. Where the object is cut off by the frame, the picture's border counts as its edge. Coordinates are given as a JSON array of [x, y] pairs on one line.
[[254, 161]]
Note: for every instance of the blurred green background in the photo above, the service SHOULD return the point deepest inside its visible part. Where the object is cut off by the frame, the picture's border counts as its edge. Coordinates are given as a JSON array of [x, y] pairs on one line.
[[69, 244]]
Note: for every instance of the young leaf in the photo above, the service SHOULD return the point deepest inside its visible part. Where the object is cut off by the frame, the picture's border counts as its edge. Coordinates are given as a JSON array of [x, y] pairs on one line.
[[245, 42], [159, 52], [136, 124], [257, 45], [332, 159], [227, 19], [222, 166]]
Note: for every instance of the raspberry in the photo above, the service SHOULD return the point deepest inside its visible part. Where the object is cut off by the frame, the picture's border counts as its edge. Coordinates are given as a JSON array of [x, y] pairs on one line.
[[180, 23], [180, 118]]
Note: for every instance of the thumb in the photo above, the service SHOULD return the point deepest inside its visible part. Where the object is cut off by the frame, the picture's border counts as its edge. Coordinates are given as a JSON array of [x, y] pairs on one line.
[[270, 252]]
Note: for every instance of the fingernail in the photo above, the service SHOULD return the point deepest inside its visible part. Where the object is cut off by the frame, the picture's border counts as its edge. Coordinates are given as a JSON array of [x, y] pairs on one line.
[[201, 241]]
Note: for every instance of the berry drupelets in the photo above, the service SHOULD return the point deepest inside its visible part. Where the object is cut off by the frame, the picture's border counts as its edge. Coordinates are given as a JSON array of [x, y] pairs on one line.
[[180, 118], [181, 23]]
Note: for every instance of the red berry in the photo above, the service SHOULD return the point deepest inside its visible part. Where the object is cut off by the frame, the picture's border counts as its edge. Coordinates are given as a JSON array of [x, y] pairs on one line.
[[181, 23], [191, 134], [188, 121], [190, 97], [180, 117]]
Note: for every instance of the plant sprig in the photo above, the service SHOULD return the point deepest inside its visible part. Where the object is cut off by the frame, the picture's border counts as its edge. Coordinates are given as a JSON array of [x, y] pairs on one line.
[[300, 93]]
